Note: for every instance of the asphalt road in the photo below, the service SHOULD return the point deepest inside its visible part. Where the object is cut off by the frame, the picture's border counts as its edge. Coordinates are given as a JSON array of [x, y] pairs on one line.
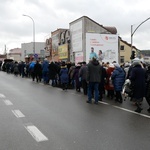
[[34, 116]]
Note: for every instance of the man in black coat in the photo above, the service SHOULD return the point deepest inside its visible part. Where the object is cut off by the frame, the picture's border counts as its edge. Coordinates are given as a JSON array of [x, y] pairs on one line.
[[94, 75]]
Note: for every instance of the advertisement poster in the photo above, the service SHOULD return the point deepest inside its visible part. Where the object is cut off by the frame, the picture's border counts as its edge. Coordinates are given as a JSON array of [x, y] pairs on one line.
[[63, 52], [107, 43], [78, 57]]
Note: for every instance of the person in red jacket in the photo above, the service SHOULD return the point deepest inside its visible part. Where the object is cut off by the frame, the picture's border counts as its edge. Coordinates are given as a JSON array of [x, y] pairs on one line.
[[109, 86]]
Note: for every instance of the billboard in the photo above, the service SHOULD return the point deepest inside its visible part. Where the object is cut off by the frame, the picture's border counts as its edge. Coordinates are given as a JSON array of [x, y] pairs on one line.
[[107, 43], [76, 36], [63, 52]]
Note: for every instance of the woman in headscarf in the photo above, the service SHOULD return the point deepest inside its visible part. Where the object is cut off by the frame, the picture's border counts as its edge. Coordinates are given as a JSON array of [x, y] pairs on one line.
[[137, 77], [118, 79], [64, 78]]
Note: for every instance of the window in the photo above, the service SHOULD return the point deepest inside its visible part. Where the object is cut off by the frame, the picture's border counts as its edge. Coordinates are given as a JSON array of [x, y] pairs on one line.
[[122, 47], [121, 59]]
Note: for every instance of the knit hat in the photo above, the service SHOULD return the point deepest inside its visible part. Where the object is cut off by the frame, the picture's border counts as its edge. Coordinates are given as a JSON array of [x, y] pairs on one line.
[[111, 65], [136, 61], [116, 65]]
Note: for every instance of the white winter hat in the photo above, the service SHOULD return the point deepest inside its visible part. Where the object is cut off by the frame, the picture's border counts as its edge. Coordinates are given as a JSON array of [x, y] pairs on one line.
[[111, 65], [136, 59], [116, 65]]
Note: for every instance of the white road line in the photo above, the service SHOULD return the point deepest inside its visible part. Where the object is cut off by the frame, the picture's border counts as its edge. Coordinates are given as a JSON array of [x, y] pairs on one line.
[[104, 103], [131, 111], [36, 133], [2, 95], [143, 115], [76, 94], [8, 102], [18, 113]]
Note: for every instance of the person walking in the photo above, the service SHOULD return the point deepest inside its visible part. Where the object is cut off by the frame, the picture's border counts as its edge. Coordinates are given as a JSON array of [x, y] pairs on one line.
[[118, 79], [137, 77], [64, 78], [70, 73], [45, 71], [31, 69], [52, 73], [16, 70], [76, 77], [94, 73], [38, 71], [82, 75], [108, 85], [148, 87]]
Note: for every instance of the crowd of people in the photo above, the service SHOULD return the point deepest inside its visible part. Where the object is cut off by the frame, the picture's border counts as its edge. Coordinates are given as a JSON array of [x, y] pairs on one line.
[[94, 79]]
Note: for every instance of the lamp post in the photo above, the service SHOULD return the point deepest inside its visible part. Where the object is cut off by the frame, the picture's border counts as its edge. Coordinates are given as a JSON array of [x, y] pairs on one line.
[[33, 32], [132, 32]]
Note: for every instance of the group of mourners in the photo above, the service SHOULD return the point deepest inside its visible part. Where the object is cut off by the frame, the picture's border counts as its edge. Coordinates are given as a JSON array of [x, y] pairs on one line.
[[96, 79]]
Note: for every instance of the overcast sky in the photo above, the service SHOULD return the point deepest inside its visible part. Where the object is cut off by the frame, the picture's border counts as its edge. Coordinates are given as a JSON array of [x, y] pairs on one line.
[[50, 15]]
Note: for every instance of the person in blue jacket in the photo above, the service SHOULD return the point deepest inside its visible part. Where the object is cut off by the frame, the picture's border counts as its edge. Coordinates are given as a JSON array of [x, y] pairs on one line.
[[64, 77], [45, 71], [118, 79]]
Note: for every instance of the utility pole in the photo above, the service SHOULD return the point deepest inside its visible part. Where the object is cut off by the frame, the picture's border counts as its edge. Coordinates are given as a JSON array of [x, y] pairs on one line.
[[132, 32]]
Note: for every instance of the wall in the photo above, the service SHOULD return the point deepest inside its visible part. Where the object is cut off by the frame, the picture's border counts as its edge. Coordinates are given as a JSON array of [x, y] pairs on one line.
[[27, 49]]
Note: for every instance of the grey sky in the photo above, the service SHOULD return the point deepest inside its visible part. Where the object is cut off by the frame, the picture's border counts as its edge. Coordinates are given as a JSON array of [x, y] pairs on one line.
[[50, 15]]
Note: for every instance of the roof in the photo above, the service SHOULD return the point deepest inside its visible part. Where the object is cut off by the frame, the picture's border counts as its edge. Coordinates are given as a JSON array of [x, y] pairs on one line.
[[113, 30], [15, 51], [127, 43]]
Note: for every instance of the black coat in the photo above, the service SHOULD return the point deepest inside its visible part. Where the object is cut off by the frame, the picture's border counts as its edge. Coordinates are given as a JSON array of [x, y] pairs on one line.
[[94, 72], [38, 69], [148, 84], [52, 71], [137, 78]]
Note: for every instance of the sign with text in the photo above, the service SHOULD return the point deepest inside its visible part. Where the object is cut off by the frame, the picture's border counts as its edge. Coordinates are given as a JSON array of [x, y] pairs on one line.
[[63, 51], [107, 43]]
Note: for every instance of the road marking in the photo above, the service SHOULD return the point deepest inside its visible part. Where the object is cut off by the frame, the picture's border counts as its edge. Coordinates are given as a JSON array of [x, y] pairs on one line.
[[18, 113], [8, 102], [131, 111], [36, 133], [104, 103], [76, 94], [2, 95], [145, 115]]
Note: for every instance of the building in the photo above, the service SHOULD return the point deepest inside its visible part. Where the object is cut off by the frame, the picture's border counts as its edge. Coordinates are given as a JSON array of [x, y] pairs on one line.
[[58, 45], [144, 55], [14, 54], [27, 51], [125, 51], [74, 44], [2, 57], [86, 33]]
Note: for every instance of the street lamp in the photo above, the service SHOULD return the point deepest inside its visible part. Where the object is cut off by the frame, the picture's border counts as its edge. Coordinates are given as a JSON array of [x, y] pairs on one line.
[[33, 32], [132, 32]]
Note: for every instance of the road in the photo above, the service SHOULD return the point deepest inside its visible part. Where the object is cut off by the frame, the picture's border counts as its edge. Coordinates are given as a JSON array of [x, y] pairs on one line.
[[34, 116]]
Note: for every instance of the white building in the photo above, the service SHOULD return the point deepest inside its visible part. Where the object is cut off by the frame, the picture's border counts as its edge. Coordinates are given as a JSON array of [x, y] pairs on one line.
[[14, 54], [27, 50]]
